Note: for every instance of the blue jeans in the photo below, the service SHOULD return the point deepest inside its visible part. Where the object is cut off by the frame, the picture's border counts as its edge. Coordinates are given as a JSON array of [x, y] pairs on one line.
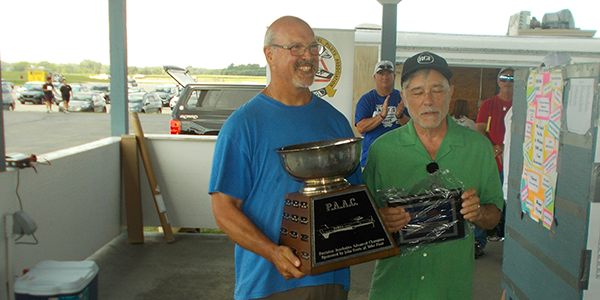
[[480, 236]]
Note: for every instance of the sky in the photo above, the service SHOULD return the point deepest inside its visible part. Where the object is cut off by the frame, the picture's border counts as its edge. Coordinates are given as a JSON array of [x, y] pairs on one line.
[[214, 34]]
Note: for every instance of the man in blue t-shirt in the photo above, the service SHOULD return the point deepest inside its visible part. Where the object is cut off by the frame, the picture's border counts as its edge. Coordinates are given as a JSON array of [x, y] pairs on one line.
[[248, 184], [379, 110]]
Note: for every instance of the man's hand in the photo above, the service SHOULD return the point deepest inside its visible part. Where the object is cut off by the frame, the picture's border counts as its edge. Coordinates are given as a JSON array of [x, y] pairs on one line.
[[471, 209], [368, 124], [242, 231], [286, 263], [498, 150], [400, 109], [394, 218], [384, 107], [484, 216]]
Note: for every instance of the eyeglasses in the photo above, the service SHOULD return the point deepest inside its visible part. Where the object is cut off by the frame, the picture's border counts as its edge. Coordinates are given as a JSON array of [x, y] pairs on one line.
[[505, 78], [299, 50]]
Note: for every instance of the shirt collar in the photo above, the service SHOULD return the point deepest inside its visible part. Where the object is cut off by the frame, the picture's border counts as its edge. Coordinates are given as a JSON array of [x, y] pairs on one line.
[[454, 138]]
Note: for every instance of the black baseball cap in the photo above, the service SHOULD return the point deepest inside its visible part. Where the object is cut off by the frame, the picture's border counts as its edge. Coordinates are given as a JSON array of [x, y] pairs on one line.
[[425, 60]]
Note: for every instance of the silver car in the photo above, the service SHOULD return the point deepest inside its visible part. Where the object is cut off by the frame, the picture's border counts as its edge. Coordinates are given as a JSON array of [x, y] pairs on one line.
[[8, 100], [91, 102], [145, 103]]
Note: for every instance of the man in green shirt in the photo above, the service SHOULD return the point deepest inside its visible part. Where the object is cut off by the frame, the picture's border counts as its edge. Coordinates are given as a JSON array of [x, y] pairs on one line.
[[399, 159]]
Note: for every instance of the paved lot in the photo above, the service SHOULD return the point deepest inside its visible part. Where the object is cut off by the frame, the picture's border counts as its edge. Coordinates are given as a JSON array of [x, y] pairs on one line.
[[40, 132], [30, 130], [198, 266]]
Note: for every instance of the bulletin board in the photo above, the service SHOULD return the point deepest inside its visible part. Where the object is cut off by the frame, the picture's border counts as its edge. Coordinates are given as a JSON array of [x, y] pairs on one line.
[[540, 147]]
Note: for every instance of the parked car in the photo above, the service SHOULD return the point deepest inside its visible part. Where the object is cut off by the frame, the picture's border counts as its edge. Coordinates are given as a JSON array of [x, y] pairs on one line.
[[33, 93], [144, 103], [11, 85], [203, 108], [136, 90], [8, 100], [102, 89], [132, 83], [166, 93], [80, 89], [26, 85], [87, 102]]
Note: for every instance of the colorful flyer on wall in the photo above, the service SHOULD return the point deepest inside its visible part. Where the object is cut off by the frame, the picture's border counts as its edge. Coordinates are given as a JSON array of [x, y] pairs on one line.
[[540, 147]]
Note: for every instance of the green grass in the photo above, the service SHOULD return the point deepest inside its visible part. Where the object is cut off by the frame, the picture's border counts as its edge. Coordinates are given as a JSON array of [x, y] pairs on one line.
[[15, 76], [20, 77]]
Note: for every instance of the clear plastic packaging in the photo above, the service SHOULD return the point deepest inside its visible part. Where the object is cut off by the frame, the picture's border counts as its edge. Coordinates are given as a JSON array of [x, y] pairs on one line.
[[434, 205]]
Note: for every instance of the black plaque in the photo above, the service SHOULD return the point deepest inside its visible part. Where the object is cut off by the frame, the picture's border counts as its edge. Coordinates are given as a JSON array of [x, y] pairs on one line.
[[335, 230], [435, 217]]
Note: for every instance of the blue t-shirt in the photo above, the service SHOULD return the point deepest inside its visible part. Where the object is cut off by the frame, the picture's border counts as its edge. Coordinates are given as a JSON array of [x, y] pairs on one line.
[[246, 166], [370, 105]]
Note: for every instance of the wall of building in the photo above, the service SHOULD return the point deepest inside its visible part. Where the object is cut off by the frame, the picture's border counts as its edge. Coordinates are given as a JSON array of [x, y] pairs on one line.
[[74, 200], [77, 203]]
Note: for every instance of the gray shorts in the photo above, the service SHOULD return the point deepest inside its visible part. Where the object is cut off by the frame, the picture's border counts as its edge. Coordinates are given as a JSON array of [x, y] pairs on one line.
[[317, 292]]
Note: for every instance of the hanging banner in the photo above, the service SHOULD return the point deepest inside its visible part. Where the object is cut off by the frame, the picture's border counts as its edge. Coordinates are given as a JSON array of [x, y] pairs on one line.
[[540, 147], [335, 77]]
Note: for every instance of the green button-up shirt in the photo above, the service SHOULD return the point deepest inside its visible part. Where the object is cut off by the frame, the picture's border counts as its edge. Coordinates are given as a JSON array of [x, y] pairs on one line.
[[399, 159]]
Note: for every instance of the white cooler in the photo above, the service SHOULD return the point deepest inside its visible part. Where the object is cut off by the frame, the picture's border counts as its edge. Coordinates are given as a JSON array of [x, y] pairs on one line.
[[59, 280]]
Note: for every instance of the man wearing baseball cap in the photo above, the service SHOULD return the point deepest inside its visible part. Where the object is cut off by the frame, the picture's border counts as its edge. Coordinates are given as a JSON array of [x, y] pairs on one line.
[[490, 122], [381, 109], [403, 157]]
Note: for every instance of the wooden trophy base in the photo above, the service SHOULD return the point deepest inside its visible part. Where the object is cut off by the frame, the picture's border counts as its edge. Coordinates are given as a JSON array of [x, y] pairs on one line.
[[334, 230]]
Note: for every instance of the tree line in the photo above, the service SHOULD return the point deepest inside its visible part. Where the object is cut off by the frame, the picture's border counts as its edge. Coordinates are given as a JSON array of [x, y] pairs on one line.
[[87, 66]]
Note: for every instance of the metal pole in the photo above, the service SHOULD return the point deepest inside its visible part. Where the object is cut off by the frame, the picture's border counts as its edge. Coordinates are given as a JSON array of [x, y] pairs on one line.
[[388, 29], [117, 23], [2, 146]]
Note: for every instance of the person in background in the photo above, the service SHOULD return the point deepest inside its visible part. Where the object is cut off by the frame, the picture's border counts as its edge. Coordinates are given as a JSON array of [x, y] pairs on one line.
[[490, 122], [49, 91], [381, 109], [248, 184], [65, 91], [400, 158], [461, 112]]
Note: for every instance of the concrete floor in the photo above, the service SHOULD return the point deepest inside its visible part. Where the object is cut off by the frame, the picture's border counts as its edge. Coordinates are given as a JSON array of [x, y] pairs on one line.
[[200, 266]]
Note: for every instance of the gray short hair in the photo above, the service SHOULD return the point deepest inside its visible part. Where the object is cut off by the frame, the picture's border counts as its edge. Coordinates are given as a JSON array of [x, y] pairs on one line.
[[269, 36]]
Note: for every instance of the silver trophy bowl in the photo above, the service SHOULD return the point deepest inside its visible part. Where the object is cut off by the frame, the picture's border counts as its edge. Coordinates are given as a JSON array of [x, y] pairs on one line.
[[322, 165]]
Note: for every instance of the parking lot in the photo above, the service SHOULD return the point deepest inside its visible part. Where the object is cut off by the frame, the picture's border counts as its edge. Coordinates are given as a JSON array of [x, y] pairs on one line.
[[29, 129], [42, 108]]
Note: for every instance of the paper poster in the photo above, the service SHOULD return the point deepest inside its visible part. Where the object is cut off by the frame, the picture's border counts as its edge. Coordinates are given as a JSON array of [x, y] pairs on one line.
[[579, 111], [540, 147]]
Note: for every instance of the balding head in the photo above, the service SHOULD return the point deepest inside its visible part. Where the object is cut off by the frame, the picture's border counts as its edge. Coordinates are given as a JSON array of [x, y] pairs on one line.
[[292, 54], [285, 22]]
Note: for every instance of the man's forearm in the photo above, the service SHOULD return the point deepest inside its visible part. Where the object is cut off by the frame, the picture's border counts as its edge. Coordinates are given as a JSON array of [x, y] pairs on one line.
[[489, 216], [404, 119], [368, 124], [238, 227]]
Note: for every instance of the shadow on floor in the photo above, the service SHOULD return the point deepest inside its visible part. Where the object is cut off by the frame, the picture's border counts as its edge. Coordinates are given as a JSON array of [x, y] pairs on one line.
[[200, 266]]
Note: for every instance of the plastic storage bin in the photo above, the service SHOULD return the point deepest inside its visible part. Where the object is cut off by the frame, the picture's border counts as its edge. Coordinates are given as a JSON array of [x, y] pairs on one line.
[[59, 280]]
